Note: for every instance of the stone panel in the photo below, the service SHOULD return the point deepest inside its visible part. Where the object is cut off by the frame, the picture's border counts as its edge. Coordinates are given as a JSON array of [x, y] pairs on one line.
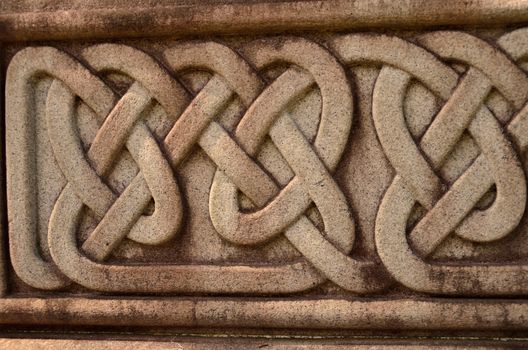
[[317, 174]]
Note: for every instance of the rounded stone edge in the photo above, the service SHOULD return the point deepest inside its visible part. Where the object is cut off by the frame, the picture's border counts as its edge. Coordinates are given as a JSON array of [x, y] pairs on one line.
[[254, 18], [269, 313]]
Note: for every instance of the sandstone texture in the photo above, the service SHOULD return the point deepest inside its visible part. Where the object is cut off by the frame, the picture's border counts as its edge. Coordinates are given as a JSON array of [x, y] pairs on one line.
[[187, 344], [272, 169]]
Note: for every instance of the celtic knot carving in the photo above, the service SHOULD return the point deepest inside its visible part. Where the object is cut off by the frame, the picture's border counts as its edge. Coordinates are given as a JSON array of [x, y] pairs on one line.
[[120, 127], [160, 122], [121, 215], [416, 163]]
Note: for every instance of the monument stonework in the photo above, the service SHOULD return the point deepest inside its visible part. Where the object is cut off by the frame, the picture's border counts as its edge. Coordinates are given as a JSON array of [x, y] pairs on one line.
[[273, 172]]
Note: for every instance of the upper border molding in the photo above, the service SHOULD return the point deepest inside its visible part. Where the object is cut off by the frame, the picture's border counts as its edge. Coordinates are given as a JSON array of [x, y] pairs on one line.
[[256, 18]]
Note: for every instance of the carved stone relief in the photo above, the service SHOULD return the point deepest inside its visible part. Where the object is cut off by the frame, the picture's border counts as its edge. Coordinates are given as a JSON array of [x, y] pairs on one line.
[[341, 165]]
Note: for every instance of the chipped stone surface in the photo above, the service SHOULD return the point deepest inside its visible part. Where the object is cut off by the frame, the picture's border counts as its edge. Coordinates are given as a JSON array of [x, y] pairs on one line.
[[338, 180]]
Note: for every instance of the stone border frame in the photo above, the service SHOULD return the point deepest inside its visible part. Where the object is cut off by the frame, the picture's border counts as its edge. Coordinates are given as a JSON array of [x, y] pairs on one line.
[[255, 17], [339, 314], [334, 314]]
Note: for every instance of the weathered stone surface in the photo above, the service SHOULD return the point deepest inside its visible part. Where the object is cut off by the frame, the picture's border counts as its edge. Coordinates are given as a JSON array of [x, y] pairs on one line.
[[234, 344], [337, 180]]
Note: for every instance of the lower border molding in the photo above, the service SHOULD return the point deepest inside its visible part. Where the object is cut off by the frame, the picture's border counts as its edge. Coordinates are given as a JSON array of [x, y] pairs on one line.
[[442, 314]]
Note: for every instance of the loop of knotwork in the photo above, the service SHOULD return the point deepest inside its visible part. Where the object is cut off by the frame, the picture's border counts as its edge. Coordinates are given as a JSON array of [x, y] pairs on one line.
[[416, 165], [121, 127], [119, 215], [280, 210]]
